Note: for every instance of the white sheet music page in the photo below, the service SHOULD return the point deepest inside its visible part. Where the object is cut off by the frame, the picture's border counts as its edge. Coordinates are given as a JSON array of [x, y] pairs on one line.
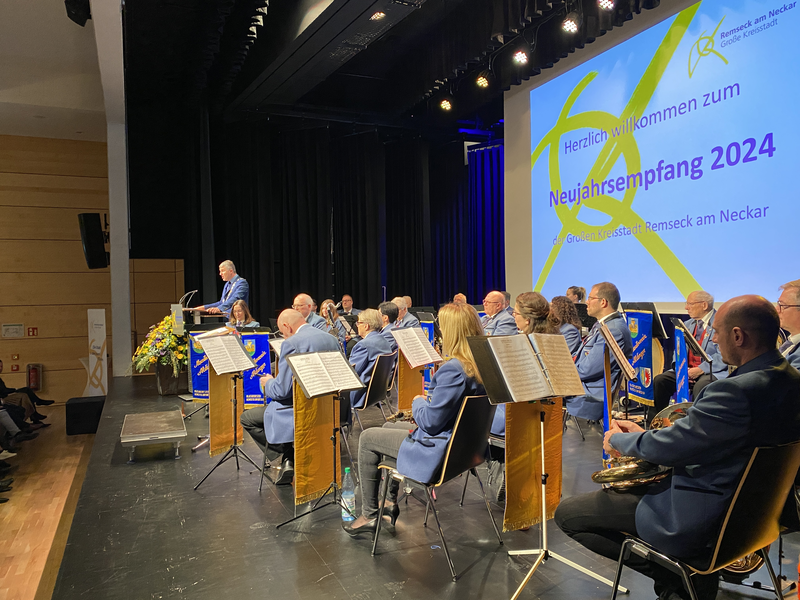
[[311, 373], [227, 354], [342, 374], [557, 361], [415, 346], [225, 330], [520, 368], [276, 344]]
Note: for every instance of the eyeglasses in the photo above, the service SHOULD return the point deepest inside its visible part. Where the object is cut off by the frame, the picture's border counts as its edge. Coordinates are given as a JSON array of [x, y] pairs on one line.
[[782, 306], [691, 303], [485, 302], [515, 313], [593, 298], [299, 306], [361, 322]]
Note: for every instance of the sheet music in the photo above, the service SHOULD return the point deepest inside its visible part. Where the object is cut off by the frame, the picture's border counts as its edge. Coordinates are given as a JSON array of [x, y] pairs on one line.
[[415, 346], [347, 326], [225, 330], [520, 368], [616, 352], [227, 354], [275, 344], [341, 373], [557, 360], [311, 373]]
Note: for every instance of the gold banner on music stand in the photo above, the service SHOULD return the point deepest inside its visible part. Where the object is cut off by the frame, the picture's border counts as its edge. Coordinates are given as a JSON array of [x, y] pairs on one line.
[[220, 412], [523, 462], [409, 385], [314, 421]]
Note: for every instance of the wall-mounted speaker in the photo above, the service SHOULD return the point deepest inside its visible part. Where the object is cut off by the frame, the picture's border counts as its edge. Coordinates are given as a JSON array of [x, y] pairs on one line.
[[78, 11], [93, 240]]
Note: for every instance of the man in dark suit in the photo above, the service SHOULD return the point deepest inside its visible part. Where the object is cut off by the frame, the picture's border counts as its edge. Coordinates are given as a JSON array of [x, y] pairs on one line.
[[235, 288], [789, 311], [272, 426], [602, 304], [757, 405], [700, 306]]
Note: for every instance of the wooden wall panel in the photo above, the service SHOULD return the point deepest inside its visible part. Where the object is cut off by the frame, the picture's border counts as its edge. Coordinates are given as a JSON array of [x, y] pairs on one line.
[[54, 321], [44, 256], [154, 287], [149, 314], [58, 385], [53, 157], [33, 223], [59, 354], [25, 189], [148, 265], [24, 289]]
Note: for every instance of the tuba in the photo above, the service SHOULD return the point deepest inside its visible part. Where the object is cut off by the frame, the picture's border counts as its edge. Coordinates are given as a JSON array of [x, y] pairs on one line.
[[627, 471]]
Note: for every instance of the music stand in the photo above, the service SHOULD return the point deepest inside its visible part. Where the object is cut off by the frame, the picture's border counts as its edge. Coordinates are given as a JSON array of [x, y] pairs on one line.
[[658, 326], [694, 347]]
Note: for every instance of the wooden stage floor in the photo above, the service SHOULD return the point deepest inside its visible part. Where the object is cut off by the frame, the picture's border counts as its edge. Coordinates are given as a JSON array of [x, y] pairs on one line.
[[141, 531]]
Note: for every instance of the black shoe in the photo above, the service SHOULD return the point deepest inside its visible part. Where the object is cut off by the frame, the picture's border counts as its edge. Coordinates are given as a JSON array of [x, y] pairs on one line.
[[286, 474], [393, 513], [41, 402], [5, 488], [3, 500], [38, 417], [368, 527], [24, 436], [8, 481]]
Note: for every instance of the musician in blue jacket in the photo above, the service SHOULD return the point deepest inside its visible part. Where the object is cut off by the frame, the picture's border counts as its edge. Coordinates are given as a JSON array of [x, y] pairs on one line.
[[570, 324], [420, 453], [602, 304], [700, 306], [272, 427], [235, 288], [367, 351], [304, 304], [757, 405], [404, 318], [389, 314], [789, 311], [497, 321]]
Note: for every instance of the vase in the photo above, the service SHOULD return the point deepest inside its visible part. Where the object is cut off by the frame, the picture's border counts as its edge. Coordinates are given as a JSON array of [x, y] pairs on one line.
[[166, 382]]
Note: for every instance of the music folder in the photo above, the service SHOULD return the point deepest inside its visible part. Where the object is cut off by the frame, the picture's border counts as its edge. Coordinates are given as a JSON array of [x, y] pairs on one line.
[[617, 353], [225, 351], [691, 343], [525, 368], [323, 373]]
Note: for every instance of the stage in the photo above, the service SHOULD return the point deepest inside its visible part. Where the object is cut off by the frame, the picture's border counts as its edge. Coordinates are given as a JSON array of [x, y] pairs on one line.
[[141, 531]]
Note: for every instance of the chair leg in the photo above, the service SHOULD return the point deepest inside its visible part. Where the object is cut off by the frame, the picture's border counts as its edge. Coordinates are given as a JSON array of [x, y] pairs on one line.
[[384, 490], [353, 469], [488, 507], [464, 491], [687, 583], [383, 412], [624, 552], [775, 581], [441, 533], [358, 418], [264, 467], [427, 507], [578, 425]]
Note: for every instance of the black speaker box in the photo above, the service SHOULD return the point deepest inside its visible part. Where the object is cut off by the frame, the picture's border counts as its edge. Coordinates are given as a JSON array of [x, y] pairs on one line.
[[83, 414], [93, 240]]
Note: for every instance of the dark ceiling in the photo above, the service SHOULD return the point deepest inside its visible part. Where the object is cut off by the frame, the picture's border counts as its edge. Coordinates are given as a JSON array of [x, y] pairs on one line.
[[245, 60]]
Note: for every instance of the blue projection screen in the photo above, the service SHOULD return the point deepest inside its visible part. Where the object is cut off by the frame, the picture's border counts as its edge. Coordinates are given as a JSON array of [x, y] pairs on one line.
[[667, 164]]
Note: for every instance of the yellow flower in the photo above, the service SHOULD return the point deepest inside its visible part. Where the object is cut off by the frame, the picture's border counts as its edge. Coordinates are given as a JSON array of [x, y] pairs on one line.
[[152, 359], [178, 355]]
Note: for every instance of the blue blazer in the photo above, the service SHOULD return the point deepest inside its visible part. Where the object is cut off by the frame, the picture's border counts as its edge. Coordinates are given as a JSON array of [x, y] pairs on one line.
[[422, 453], [793, 356], [248, 325], [279, 413], [233, 290], [386, 332], [718, 367], [500, 324], [499, 421], [408, 320], [316, 321], [362, 357], [757, 405], [589, 361], [573, 336], [355, 311]]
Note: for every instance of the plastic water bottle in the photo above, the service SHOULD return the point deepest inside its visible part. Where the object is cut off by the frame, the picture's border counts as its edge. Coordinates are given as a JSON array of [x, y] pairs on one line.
[[348, 496]]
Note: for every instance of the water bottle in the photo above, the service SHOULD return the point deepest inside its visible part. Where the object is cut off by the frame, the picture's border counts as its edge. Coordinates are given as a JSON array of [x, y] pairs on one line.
[[348, 496]]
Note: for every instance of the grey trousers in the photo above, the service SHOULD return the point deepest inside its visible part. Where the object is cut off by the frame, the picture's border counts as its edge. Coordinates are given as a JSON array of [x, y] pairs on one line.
[[373, 445]]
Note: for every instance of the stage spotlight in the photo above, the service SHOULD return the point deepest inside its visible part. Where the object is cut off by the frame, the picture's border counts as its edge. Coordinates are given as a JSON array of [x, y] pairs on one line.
[[521, 57], [606, 4], [378, 16], [445, 104], [483, 80], [572, 22]]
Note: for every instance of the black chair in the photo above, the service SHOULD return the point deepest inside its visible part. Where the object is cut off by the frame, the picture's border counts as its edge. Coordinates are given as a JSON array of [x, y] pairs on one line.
[[465, 451], [379, 384], [750, 524]]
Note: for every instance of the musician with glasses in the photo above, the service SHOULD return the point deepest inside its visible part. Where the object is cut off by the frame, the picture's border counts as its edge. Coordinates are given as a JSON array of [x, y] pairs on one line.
[[498, 321], [304, 304], [758, 404], [367, 351], [700, 306], [789, 312]]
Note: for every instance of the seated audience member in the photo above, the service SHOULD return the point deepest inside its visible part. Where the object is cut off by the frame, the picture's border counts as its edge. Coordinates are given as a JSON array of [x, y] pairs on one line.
[[347, 306], [789, 311], [420, 454], [570, 325], [459, 299], [11, 434], [241, 317], [601, 303], [305, 305], [576, 294], [21, 404], [532, 314], [235, 288], [757, 405], [700, 306], [404, 318], [332, 323], [389, 313], [272, 426], [365, 352], [497, 320], [35, 400]]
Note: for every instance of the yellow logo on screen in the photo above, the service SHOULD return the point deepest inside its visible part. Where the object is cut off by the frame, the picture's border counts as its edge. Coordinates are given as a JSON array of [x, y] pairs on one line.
[[704, 46]]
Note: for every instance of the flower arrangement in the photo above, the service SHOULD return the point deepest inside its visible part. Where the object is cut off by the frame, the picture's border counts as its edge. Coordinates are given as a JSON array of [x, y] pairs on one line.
[[162, 346]]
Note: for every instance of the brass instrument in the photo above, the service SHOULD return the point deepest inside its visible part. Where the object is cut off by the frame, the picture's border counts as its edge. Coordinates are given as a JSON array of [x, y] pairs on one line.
[[402, 417], [627, 471]]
